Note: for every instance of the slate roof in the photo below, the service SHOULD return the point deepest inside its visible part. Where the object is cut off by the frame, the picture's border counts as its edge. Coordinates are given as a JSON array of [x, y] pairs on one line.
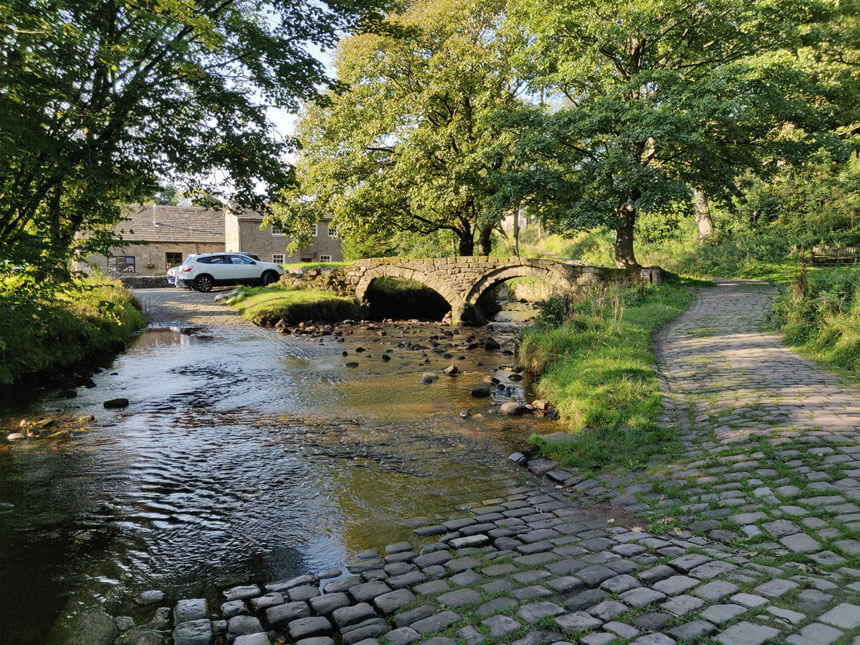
[[153, 223]]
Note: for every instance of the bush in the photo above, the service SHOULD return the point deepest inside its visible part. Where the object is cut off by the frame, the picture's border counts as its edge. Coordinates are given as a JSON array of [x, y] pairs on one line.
[[49, 326]]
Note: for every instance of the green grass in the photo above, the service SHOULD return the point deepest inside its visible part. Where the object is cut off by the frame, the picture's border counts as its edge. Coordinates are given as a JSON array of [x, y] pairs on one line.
[[602, 378], [267, 305], [49, 326], [822, 320], [315, 265], [729, 256]]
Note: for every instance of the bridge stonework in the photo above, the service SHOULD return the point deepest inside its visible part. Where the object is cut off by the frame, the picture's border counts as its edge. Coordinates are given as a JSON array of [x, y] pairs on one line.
[[462, 280]]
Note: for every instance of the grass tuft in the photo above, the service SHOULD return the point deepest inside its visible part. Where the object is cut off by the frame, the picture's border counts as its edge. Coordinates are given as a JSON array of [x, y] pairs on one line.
[[49, 326]]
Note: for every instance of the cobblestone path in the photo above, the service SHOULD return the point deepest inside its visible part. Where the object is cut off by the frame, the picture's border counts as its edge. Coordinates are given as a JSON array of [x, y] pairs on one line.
[[748, 530]]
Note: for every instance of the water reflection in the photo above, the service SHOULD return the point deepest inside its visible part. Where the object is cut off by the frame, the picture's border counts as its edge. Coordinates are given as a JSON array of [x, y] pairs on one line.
[[244, 455]]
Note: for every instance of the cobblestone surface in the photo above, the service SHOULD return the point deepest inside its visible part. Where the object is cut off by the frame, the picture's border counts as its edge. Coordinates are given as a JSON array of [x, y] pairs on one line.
[[748, 532]]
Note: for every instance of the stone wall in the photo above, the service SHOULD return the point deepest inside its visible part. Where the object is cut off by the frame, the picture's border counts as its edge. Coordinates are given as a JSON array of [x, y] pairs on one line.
[[145, 282], [151, 257]]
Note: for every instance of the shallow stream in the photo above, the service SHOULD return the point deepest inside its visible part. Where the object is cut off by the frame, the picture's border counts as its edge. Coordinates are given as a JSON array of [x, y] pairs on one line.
[[244, 455]]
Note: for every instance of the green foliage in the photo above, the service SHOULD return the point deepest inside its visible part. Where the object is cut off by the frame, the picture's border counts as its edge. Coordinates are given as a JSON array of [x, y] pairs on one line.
[[43, 327], [820, 313], [598, 370], [552, 312], [652, 98], [306, 266], [401, 243], [405, 145], [267, 305], [98, 100], [759, 235]]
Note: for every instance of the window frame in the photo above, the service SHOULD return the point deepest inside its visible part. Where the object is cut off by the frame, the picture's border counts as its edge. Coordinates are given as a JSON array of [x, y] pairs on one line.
[[323, 258], [316, 230], [275, 257], [278, 231]]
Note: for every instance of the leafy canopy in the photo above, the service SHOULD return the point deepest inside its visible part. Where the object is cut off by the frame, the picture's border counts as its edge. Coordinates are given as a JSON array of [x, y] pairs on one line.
[[649, 98], [100, 99], [406, 146]]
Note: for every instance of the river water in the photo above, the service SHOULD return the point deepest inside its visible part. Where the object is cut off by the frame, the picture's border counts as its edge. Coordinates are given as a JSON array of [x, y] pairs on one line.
[[244, 455]]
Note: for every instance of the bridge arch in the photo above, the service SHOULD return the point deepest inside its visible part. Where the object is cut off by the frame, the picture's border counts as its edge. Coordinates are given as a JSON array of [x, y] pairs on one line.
[[440, 286], [493, 277]]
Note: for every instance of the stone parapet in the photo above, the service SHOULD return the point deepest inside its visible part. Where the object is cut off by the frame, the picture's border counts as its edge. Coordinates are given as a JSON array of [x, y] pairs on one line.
[[462, 280]]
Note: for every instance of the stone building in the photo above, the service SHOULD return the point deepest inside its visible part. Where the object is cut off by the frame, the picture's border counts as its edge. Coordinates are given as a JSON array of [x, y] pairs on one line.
[[159, 237], [242, 233]]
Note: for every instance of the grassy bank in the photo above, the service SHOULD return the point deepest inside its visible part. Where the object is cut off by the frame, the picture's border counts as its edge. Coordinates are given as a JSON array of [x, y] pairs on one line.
[[820, 315], [45, 328], [307, 266], [267, 305], [598, 370]]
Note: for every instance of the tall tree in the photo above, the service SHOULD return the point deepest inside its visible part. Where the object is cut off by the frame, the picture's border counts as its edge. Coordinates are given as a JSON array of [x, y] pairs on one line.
[[654, 96], [405, 145], [99, 99]]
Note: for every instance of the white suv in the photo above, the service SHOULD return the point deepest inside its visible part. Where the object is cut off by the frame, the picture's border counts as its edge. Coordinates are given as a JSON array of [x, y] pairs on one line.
[[206, 270]]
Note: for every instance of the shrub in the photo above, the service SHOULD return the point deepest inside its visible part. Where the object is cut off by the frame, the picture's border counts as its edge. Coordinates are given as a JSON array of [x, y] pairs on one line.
[[48, 326]]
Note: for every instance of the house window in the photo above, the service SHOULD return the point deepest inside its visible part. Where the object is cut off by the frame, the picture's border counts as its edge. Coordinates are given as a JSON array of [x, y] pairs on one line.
[[332, 231], [173, 259], [325, 258], [316, 229], [278, 258], [277, 230], [121, 264]]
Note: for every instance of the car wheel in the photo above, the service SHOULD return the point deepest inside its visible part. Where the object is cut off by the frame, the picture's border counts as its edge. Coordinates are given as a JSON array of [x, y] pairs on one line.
[[269, 277], [203, 283]]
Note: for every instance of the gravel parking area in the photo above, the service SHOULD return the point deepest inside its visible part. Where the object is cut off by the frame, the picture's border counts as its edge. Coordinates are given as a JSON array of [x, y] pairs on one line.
[[185, 307]]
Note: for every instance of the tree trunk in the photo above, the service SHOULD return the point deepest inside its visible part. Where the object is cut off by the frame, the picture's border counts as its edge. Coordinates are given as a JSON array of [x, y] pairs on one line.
[[517, 233], [624, 257], [703, 215], [485, 241], [466, 242]]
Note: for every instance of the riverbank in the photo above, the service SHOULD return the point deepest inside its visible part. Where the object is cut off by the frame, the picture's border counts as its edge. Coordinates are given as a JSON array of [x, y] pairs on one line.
[[752, 539], [597, 367], [267, 306], [52, 328]]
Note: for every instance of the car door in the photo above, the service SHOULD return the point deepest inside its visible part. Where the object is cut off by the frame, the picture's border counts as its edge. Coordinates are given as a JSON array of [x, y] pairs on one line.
[[244, 269], [219, 267]]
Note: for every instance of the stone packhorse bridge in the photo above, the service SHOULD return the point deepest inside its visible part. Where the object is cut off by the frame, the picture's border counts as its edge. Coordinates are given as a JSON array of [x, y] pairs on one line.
[[463, 280]]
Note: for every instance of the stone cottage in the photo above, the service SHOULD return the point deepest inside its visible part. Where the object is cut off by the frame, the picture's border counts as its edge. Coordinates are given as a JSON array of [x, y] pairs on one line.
[[159, 237], [242, 233]]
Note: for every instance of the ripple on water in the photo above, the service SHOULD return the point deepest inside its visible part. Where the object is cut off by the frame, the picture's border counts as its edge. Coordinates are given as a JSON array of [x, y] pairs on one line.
[[245, 456]]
